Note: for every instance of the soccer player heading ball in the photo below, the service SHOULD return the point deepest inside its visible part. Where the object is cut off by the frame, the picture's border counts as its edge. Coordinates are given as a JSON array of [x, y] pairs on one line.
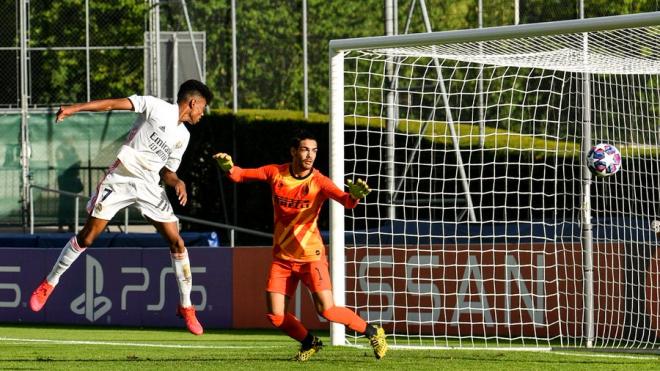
[[299, 191], [152, 151]]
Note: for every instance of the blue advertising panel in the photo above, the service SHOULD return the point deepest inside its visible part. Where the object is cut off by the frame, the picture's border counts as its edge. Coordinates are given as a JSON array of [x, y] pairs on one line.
[[117, 286]]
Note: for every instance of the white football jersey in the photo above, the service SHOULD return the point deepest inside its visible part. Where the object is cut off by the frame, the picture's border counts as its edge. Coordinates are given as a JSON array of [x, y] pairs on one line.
[[156, 140]]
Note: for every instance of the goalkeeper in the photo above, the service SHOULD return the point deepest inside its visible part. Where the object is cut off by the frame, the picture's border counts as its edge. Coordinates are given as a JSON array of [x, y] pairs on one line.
[[299, 191]]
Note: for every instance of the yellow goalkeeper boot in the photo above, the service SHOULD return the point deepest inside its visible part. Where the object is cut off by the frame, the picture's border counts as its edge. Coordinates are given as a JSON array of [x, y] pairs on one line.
[[378, 342], [308, 350]]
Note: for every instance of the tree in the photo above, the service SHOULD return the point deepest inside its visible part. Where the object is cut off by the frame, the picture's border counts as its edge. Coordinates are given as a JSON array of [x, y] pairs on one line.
[[59, 76]]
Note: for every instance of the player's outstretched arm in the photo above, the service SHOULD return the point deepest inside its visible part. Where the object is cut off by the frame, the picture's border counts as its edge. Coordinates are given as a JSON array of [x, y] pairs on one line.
[[94, 106], [171, 179], [224, 161], [358, 190]]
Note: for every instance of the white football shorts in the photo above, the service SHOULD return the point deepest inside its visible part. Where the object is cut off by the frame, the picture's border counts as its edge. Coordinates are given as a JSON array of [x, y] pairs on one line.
[[120, 189]]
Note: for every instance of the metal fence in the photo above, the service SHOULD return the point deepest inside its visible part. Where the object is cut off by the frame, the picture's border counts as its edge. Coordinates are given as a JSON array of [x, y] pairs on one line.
[[58, 52], [72, 214], [85, 49], [71, 59], [55, 191]]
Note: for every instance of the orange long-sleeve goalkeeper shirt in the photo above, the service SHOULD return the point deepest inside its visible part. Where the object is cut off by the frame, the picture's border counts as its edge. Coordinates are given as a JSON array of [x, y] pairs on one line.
[[296, 203]]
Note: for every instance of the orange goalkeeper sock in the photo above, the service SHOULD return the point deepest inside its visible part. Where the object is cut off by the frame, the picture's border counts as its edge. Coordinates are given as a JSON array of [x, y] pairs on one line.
[[346, 317], [290, 325]]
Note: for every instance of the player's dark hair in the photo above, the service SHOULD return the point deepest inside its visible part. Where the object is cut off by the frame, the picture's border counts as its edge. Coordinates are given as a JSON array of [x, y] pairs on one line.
[[192, 88], [299, 137]]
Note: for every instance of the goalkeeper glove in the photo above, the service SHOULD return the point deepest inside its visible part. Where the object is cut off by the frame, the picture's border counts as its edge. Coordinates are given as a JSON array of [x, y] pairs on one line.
[[224, 161], [359, 189]]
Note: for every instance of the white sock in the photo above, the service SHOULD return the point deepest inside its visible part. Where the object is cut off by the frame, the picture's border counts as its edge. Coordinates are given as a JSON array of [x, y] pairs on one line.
[[69, 254], [181, 265]]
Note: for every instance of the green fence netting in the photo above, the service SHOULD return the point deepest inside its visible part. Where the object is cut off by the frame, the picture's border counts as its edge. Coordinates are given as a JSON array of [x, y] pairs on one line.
[[69, 156]]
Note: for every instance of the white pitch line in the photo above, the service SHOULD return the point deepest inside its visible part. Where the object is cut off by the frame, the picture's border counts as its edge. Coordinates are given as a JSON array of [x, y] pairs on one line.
[[547, 350], [180, 346], [147, 345], [605, 355]]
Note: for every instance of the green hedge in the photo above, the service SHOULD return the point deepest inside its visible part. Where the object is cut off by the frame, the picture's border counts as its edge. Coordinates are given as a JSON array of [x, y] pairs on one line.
[[253, 138], [259, 137]]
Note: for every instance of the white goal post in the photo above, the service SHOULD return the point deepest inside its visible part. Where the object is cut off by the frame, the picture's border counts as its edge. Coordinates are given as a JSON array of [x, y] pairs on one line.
[[484, 227]]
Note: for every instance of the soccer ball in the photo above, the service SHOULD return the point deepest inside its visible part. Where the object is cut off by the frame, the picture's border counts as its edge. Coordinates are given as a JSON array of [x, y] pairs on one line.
[[604, 159]]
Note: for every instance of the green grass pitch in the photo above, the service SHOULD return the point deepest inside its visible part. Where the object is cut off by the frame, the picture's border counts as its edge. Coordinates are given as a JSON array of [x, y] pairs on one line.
[[28, 347]]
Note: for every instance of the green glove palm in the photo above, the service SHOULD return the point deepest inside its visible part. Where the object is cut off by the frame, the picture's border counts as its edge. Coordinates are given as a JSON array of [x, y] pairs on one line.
[[359, 189], [224, 161]]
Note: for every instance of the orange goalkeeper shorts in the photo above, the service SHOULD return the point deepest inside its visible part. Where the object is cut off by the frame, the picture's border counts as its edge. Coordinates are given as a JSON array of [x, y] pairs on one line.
[[284, 276]]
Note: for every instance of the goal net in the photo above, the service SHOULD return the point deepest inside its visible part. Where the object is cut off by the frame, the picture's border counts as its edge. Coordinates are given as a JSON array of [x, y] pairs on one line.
[[484, 227]]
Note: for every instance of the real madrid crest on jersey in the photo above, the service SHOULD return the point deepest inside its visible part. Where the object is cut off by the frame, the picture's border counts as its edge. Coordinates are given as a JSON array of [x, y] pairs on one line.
[[178, 145]]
